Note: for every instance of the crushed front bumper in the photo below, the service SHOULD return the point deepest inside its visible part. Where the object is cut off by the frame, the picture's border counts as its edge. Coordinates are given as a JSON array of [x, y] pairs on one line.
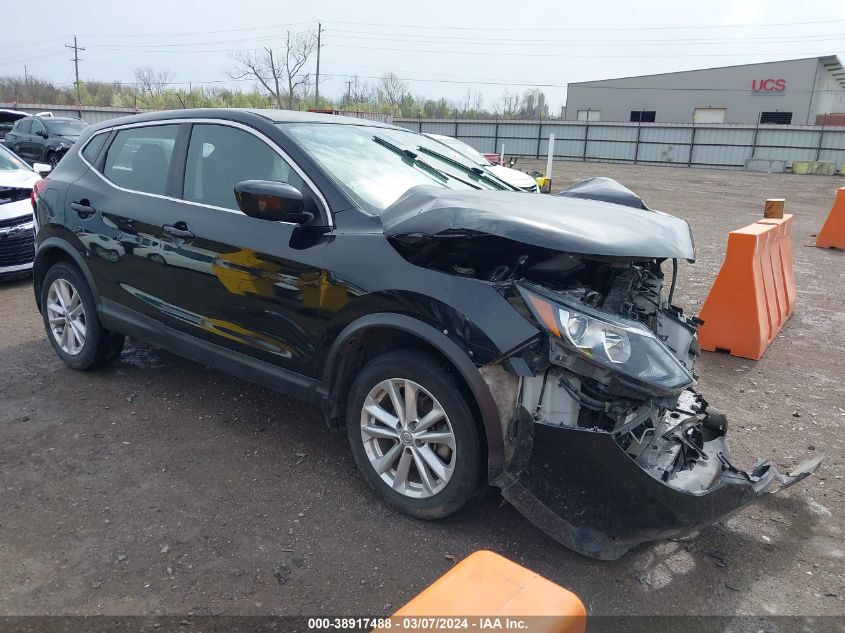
[[582, 489]]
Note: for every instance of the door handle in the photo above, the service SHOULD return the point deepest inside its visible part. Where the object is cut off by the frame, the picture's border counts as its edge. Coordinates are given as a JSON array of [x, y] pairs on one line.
[[83, 208], [180, 230]]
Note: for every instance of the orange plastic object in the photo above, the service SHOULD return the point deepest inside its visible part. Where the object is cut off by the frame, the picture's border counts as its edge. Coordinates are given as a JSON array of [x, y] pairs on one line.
[[782, 259], [754, 292], [487, 585], [832, 234]]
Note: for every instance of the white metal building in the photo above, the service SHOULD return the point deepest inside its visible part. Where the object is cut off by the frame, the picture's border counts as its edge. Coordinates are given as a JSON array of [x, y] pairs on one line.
[[794, 91]]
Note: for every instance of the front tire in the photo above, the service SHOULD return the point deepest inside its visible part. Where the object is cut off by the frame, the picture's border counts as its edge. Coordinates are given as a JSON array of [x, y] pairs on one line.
[[53, 159], [71, 321], [413, 434]]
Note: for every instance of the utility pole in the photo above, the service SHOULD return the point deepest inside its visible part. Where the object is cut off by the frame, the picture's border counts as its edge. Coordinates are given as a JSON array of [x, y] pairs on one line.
[[348, 92], [317, 87], [76, 48]]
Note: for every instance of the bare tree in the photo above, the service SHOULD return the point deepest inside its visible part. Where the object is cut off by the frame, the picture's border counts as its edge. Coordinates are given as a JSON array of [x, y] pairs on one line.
[[508, 104], [280, 74], [358, 90], [391, 90], [472, 103], [151, 81]]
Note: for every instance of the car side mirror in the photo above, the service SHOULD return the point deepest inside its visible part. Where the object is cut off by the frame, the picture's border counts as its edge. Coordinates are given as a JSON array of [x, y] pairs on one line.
[[274, 201], [42, 169], [42, 134]]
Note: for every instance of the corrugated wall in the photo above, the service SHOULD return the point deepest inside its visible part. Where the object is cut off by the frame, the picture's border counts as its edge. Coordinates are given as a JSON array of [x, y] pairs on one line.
[[713, 145], [705, 145]]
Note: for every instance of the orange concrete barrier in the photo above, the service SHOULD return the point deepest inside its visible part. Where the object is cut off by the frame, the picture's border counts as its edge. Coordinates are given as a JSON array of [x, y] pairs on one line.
[[832, 234], [754, 292], [486, 585]]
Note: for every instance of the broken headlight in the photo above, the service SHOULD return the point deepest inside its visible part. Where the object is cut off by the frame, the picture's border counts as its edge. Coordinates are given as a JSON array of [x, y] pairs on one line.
[[620, 344]]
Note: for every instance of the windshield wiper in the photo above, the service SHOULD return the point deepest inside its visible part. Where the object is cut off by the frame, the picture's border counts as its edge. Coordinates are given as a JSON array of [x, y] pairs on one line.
[[478, 172], [407, 154]]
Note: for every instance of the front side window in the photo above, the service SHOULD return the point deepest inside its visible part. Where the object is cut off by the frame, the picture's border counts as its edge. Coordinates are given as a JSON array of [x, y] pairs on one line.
[[93, 147], [37, 127], [139, 158], [221, 156]]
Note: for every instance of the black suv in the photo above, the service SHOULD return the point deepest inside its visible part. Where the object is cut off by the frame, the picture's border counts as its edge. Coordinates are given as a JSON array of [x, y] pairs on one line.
[[462, 333], [44, 139]]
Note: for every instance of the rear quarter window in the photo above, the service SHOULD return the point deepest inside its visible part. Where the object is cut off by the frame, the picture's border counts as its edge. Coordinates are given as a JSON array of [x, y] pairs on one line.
[[93, 147]]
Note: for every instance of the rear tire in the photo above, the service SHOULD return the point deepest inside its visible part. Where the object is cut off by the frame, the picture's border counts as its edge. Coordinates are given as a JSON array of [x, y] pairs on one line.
[[431, 465], [71, 321]]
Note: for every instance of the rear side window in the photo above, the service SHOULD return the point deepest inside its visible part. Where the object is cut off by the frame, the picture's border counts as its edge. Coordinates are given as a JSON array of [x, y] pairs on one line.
[[24, 126], [220, 156], [139, 158], [92, 149]]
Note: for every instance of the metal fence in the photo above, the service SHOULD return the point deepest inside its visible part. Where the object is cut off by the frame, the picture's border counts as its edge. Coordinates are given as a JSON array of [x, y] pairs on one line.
[[724, 146], [95, 114], [91, 114]]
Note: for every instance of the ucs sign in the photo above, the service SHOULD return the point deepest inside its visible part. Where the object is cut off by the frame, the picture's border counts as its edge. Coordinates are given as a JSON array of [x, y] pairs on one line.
[[768, 85]]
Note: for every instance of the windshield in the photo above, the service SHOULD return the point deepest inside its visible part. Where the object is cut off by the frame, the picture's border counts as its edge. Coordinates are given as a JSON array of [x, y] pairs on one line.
[[65, 128], [10, 162], [376, 165], [467, 150]]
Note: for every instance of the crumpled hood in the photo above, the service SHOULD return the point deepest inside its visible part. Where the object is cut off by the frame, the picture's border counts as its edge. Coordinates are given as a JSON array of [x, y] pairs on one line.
[[570, 225]]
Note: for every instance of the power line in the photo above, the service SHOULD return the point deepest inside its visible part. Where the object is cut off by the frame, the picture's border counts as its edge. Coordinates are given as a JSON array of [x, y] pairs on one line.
[[449, 39], [76, 48], [581, 28], [266, 27], [566, 55]]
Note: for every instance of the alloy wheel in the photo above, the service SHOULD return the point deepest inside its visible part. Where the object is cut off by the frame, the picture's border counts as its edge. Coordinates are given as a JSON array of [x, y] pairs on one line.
[[408, 438], [66, 314]]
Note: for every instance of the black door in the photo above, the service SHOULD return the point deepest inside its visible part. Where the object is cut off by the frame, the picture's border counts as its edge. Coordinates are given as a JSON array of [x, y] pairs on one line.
[[246, 284], [120, 206], [159, 218], [19, 137], [37, 143]]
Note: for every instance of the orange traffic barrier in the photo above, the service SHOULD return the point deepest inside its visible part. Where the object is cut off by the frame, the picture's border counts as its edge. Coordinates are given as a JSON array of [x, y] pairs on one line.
[[832, 234], [487, 586], [754, 292]]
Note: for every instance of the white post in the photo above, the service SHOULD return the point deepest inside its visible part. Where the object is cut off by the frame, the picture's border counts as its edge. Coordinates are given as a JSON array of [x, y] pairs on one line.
[[502, 155], [551, 155]]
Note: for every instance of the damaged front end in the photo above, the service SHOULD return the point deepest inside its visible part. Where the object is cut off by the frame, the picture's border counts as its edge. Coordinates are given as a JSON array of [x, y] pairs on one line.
[[611, 446], [607, 444]]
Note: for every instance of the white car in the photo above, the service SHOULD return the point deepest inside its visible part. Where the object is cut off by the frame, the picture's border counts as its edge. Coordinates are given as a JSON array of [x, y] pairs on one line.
[[513, 177], [17, 245]]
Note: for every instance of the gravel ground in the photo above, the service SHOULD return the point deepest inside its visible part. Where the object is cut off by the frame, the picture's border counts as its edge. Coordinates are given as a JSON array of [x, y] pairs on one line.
[[158, 486]]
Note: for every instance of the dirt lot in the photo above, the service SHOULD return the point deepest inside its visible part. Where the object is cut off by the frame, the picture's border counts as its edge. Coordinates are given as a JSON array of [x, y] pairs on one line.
[[158, 486]]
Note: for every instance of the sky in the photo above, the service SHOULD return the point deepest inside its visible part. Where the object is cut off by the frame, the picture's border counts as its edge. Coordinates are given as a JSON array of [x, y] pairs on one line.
[[440, 48]]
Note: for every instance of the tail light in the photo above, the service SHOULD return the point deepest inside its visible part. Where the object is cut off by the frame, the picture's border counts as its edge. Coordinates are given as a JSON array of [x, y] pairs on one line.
[[36, 189]]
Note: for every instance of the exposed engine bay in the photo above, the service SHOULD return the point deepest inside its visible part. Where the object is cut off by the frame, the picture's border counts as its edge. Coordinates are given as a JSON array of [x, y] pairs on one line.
[[560, 397], [608, 444]]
